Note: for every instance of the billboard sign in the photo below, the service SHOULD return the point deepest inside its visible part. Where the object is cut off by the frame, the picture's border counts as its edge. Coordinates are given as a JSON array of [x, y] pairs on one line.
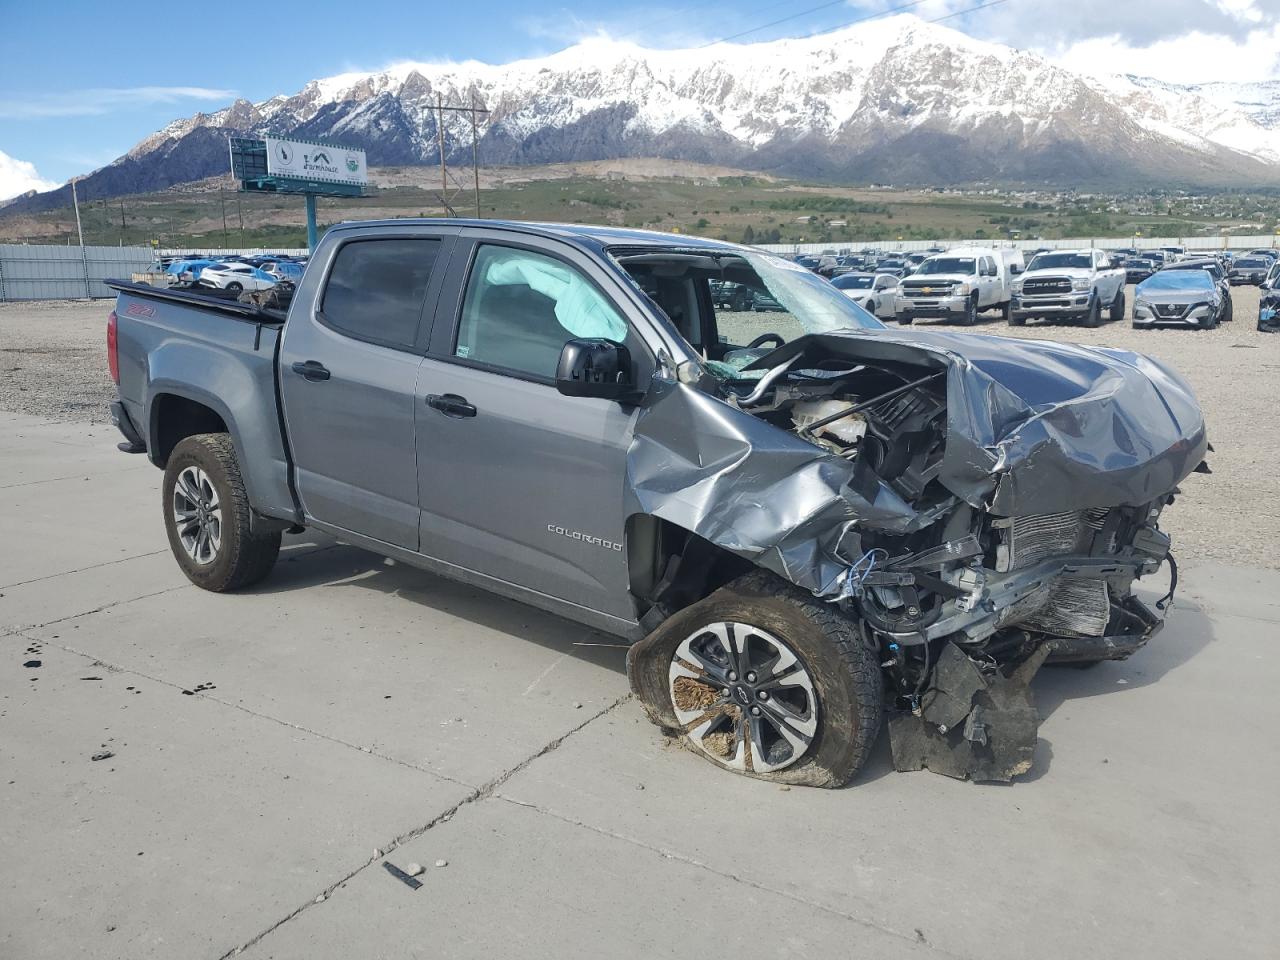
[[310, 160]]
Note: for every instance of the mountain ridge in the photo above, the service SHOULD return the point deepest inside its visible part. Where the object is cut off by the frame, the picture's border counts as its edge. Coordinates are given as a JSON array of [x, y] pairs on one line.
[[894, 100]]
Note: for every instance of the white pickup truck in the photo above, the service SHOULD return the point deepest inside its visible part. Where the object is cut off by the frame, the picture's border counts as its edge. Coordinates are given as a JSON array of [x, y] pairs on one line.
[[1069, 285], [959, 284]]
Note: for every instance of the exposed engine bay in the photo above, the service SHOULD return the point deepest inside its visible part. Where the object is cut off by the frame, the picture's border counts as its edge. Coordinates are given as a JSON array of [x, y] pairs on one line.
[[977, 505]]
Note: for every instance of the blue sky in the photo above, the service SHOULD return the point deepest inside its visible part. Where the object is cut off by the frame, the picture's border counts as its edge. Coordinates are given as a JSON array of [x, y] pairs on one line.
[[81, 82]]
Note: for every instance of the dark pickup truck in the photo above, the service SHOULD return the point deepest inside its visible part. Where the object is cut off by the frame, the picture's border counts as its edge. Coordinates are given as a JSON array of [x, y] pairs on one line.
[[802, 519]]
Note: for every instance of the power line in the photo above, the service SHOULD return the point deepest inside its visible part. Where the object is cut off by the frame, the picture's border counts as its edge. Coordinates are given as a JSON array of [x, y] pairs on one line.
[[794, 16], [960, 13], [850, 23]]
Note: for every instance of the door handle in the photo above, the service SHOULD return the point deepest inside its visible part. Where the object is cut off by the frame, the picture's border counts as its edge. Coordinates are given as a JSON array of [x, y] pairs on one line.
[[311, 370], [451, 405]]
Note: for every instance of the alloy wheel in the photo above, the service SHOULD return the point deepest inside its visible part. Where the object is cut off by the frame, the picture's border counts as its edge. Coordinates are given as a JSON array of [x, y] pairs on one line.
[[197, 515], [743, 697]]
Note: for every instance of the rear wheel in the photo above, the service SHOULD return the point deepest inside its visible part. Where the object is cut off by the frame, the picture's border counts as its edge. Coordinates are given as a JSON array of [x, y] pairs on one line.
[[207, 516], [234, 287], [764, 680], [1117, 306], [1006, 311]]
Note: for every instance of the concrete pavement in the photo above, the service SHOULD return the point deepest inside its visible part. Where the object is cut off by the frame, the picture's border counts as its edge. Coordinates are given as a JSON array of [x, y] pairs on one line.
[[350, 710]]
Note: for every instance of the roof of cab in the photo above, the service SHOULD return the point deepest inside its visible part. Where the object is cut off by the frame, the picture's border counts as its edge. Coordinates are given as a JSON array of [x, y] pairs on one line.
[[578, 232]]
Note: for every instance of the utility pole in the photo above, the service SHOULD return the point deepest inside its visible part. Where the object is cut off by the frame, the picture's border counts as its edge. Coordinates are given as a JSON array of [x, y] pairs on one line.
[[475, 166], [240, 217], [223, 197], [444, 176], [84, 259], [123, 228], [474, 111]]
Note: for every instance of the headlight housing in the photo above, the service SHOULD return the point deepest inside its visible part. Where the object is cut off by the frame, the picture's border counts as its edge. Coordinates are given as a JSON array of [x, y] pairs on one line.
[[1141, 308], [1203, 310], [1082, 284], [1016, 286], [961, 289]]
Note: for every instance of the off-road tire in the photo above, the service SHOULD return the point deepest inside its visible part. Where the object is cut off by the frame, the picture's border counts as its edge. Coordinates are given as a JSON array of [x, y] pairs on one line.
[[1093, 318], [845, 672], [244, 557], [1117, 307]]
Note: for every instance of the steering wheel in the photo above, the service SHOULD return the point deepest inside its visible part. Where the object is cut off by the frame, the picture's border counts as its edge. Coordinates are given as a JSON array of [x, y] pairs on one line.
[[764, 338]]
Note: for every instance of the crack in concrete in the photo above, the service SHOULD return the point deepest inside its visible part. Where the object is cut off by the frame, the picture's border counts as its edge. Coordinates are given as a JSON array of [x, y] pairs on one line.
[[480, 793], [92, 566], [736, 878], [74, 476], [16, 631], [204, 695]]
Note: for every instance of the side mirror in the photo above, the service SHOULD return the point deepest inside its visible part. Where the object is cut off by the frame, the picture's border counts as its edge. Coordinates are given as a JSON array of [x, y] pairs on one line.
[[594, 367]]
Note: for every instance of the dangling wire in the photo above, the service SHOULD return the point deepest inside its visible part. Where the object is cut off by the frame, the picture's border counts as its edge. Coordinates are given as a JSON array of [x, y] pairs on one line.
[[852, 579]]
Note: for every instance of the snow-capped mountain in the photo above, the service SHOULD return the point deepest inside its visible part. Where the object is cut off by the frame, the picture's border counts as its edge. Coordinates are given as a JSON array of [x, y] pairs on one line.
[[894, 100]]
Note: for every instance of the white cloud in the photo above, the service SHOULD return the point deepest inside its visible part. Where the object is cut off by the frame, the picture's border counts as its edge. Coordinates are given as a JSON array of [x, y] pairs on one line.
[[19, 176], [101, 100], [1180, 41]]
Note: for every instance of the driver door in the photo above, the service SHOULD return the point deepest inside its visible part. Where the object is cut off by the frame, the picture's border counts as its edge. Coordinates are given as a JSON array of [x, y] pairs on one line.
[[516, 481]]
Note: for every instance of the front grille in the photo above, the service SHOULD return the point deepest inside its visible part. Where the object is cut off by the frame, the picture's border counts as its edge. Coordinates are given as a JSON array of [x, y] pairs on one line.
[[1031, 540], [1171, 310], [1075, 607], [1046, 285], [941, 289]]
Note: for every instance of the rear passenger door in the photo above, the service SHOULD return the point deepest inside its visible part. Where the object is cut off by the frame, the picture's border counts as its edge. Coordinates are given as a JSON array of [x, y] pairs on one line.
[[348, 372], [516, 481]]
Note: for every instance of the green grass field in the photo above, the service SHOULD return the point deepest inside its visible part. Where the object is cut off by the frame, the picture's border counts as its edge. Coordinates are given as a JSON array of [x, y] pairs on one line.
[[738, 208]]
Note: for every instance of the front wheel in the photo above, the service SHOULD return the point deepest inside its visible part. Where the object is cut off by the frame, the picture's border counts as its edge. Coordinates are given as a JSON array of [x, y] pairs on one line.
[[1228, 312], [234, 287], [906, 319], [206, 514], [764, 680], [971, 311]]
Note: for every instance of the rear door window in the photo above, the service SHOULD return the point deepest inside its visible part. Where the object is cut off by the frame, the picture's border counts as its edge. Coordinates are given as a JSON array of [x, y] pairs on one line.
[[376, 289]]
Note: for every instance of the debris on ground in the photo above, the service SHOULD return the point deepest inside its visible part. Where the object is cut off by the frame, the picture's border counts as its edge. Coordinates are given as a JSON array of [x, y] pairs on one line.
[[689, 694], [970, 724], [414, 869], [32, 663], [442, 863], [104, 755], [400, 875]]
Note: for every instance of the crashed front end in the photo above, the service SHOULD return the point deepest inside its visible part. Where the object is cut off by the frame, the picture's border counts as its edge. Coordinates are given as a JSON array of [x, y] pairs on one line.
[[978, 505]]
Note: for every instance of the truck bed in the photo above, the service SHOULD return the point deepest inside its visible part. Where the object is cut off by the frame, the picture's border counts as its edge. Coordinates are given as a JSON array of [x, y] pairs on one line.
[[178, 348]]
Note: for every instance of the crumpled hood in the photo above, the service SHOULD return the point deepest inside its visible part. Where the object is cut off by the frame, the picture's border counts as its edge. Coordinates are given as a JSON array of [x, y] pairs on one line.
[[1036, 426]]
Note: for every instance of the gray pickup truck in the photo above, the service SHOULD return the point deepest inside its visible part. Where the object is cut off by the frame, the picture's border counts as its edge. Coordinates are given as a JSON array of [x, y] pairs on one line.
[[802, 520]]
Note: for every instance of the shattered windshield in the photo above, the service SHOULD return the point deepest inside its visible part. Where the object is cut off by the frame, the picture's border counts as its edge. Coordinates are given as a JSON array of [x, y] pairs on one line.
[[781, 302]]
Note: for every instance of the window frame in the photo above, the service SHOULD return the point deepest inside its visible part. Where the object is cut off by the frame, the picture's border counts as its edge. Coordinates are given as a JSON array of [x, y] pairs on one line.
[[418, 344], [444, 341]]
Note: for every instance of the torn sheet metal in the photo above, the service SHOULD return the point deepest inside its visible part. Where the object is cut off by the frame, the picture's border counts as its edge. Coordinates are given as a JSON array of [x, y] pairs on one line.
[[970, 725], [1041, 427], [754, 489], [1269, 314], [1032, 427]]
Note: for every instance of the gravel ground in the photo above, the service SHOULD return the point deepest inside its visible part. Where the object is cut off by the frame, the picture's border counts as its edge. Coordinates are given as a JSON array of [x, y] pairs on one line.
[[53, 364]]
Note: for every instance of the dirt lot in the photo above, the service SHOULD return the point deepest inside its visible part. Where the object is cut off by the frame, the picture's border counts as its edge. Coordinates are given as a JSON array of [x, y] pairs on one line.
[[52, 364]]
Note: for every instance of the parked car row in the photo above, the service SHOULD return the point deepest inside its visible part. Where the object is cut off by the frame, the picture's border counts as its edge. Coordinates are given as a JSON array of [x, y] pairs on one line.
[[1172, 287]]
